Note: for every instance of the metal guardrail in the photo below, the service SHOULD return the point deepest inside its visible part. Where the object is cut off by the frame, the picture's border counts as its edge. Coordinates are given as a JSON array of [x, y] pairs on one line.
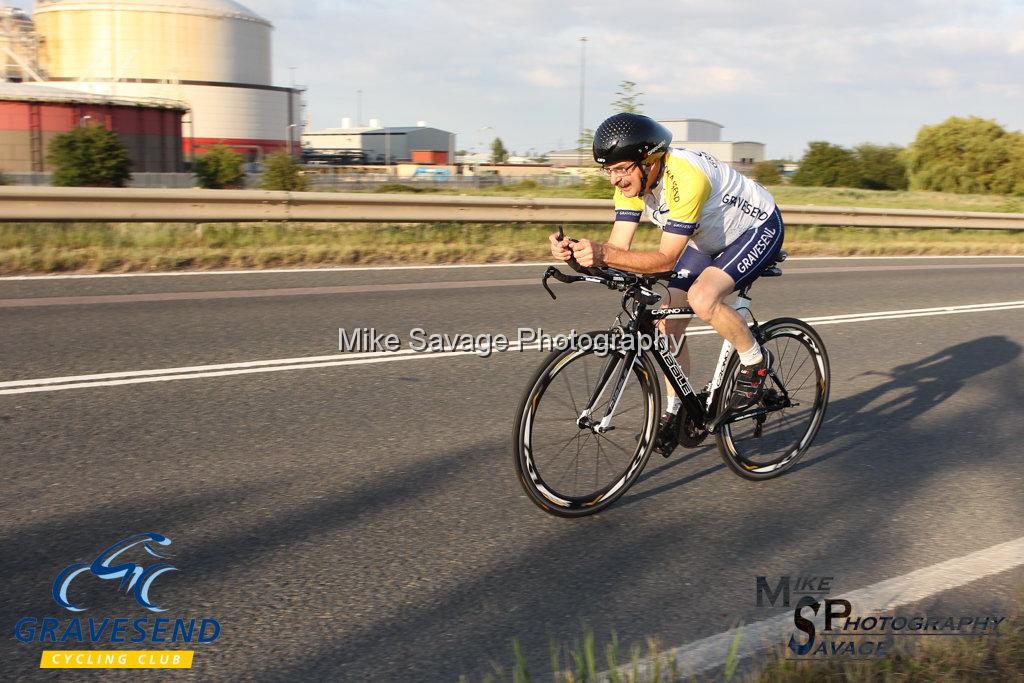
[[118, 205]]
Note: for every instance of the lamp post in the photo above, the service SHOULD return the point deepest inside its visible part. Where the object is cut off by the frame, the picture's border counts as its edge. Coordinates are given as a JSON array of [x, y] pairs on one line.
[[479, 137], [583, 73], [288, 137]]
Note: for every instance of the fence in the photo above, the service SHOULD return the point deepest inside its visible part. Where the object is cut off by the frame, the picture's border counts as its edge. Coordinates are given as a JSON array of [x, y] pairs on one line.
[[323, 180], [56, 204]]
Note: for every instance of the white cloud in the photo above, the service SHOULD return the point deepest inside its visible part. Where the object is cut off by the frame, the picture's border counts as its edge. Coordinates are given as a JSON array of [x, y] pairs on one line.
[[545, 78]]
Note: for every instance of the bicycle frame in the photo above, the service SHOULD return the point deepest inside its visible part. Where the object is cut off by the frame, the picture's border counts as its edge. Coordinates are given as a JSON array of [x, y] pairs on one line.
[[642, 325]]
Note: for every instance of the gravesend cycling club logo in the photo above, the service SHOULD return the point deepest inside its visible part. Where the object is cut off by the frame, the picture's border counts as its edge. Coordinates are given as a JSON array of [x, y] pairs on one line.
[[133, 577], [132, 566], [847, 634]]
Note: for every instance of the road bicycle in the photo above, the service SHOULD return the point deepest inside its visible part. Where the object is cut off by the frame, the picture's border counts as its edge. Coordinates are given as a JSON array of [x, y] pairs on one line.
[[588, 420]]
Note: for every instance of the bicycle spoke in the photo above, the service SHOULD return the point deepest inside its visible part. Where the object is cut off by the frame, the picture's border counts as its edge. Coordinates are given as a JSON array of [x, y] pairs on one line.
[[571, 461], [793, 372], [566, 445], [605, 456], [811, 374], [573, 398]]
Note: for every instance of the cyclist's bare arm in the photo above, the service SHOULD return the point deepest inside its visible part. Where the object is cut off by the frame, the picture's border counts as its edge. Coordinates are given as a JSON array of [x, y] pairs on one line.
[[622, 234], [610, 254], [621, 237]]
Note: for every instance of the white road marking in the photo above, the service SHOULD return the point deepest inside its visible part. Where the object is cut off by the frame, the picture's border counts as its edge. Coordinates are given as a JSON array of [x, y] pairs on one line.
[[27, 386], [255, 271], [355, 269], [709, 653]]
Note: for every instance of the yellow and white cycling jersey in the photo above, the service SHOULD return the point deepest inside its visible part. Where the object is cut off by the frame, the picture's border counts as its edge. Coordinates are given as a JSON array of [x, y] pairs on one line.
[[698, 195]]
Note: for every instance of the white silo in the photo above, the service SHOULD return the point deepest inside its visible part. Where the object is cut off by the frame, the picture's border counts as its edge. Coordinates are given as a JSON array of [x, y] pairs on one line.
[[214, 55]]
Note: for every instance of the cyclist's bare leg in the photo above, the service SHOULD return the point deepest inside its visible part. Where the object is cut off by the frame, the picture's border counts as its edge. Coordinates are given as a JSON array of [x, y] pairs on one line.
[[674, 329], [706, 297]]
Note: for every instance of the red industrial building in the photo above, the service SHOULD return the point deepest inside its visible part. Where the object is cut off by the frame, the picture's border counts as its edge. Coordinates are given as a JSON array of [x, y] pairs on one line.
[[30, 117]]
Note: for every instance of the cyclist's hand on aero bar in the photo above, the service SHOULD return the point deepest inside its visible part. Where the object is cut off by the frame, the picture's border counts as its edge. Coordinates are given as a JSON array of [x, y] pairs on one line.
[[560, 246], [588, 254]]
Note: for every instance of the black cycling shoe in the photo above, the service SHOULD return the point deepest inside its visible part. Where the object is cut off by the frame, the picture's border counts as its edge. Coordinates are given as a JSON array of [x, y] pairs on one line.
[[668, 434], [751, 383]]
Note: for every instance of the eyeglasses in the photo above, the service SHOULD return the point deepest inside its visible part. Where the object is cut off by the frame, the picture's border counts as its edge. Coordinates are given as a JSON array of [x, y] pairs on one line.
[[618, 172]]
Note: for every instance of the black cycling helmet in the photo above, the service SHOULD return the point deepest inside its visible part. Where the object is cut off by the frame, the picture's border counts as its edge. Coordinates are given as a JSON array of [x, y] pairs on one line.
[[630, 137]]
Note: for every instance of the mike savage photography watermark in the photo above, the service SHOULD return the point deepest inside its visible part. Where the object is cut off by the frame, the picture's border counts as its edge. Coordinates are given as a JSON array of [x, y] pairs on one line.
[[418, 340]]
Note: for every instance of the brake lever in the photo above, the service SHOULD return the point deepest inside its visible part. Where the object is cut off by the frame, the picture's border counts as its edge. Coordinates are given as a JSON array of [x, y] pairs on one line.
[[554, 272]]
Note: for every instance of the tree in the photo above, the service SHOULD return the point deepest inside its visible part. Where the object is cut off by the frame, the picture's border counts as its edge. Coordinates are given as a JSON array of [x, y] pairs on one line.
[[586, 141], [767, 172], [220, 167], [281, 172], [627, 98], [89, 156], [967, 155], [827, 165], [880, 167], [498, 152]]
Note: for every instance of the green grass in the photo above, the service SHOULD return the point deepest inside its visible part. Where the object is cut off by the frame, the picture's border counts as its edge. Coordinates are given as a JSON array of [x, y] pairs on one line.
[[91, 247], [999, 657], [882, 199], [121, 247], [598, 187]]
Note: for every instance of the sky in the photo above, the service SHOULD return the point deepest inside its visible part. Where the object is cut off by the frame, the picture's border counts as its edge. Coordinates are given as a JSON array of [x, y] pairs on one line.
[[780, 72]]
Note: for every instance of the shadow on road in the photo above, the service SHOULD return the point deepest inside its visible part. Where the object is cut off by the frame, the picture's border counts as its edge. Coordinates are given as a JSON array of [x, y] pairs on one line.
[[610, 569]]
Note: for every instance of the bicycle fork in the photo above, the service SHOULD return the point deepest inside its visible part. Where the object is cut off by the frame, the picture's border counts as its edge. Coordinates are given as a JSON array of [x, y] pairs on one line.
[[614, 363]]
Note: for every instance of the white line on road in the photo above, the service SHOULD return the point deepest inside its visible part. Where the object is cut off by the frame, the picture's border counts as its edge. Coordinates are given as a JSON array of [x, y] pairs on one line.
[[709, 653], [355, 269], [27, 386]]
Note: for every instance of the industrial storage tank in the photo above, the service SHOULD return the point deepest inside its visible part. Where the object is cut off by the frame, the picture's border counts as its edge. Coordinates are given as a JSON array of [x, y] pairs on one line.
[[32, 115], [213, 55]]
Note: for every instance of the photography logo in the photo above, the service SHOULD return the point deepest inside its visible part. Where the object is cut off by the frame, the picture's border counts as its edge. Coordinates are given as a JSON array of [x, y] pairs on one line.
[[125, 562], [846, 635], [133, 577]]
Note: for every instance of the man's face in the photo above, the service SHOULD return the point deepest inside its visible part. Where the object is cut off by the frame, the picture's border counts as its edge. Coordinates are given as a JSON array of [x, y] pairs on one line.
[[625, 175]]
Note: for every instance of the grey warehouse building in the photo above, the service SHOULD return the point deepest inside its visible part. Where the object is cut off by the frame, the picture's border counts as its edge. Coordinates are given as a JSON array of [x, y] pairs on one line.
[[374, 144], [398, 144]]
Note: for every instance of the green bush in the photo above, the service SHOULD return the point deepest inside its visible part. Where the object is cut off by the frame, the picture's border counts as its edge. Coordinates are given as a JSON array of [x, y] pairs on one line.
[[881, 167], [867, 166], [767, 173], [219, 168], [967, 155], [89, 156], [281, 172], [827, 165]]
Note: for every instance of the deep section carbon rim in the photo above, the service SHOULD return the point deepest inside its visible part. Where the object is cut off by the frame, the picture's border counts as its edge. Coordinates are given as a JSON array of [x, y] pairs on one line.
[[571, 469], [764, 447]]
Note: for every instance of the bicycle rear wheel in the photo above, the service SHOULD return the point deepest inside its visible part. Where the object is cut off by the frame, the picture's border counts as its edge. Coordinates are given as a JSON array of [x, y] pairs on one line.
[[766, 446], [571, 470]]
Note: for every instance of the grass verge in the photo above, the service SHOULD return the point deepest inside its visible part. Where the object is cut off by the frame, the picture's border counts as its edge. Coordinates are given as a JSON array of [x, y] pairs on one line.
[[994, 658], [598, 187], [27, 248]]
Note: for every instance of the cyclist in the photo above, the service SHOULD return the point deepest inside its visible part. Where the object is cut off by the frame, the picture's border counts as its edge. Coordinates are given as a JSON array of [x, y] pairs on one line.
[[719, 230]]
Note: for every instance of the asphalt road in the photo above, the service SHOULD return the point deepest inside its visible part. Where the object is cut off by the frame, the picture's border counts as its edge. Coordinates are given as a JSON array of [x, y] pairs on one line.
[[363, 521]]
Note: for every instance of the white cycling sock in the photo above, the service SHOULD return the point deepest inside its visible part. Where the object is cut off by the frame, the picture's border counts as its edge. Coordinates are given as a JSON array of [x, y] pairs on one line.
[[752, 356], [674, 404]]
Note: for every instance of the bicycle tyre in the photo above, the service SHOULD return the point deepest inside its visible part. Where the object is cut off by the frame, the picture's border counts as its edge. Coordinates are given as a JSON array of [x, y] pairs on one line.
[[752, 456], [531, 474]]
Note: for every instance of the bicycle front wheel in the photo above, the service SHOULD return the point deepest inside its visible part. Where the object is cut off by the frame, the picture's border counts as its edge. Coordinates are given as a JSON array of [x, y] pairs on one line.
[[797, 395], [569, 469]]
